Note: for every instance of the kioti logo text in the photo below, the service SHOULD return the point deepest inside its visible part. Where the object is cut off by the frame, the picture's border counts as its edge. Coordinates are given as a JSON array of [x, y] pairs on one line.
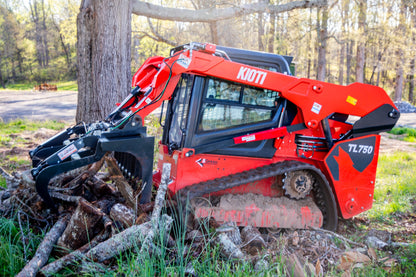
[[251, 75]]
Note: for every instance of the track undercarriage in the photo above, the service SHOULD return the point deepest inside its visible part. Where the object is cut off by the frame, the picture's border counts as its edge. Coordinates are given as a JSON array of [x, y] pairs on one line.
[[316, 209]]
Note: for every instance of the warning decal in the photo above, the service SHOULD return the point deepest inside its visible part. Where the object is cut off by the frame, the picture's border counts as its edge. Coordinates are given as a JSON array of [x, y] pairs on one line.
[[351, 100], [316, 108], [66, 152]]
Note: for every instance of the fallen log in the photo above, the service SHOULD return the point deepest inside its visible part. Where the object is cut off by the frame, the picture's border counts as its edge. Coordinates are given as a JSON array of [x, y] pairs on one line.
[[228, 249], [81, 228], [123, 214], [119, 243], [232, 231], [252, 237], [340, 237], [159, 202], [65, 197], [45, 248], [75, 256]]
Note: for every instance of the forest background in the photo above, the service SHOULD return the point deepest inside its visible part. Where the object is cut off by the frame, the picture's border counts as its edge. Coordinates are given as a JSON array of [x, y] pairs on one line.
[[343, 41]]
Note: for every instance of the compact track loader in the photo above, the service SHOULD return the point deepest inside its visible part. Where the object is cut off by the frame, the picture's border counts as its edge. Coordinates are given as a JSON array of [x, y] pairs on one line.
[[247, 142]]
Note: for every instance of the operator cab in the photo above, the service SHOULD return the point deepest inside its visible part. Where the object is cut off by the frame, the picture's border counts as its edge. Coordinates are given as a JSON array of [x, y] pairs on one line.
[[206, 113]]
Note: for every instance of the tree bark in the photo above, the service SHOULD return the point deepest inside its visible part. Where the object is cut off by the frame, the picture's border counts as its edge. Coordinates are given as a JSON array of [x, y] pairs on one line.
[[104, 38], [322, 41], [212, 14], [1, 78], [42, 51], [44, 249], [159, 203], [411, 78], [129, 238], [350, 47], [341, 64], [67, 260], [260, 32], [398, 88], [359, 73], [272, 33]]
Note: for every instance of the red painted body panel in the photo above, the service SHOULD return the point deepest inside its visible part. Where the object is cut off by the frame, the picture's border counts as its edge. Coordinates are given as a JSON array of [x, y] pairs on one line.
[[355, 187], [315, 101]]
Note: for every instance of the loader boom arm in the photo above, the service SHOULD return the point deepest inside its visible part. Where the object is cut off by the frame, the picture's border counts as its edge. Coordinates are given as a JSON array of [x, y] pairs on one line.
[[158, 76]]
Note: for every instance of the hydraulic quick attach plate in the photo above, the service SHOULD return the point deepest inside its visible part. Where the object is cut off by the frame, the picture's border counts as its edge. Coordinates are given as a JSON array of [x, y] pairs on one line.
[[61, 153]]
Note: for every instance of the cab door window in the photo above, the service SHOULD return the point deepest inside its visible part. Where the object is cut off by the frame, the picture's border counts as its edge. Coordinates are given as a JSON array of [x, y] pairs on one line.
[[226, 105]]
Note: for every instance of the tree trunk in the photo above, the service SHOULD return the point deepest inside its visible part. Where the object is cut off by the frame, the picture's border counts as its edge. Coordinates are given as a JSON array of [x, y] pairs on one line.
[[411, 78], [1, 79], [341, 64], [260, 32], [272, 33], [359, 73], [104, 38], [44, 35], [398, 88], [322, 41], [350, 46], [41, 41], [344, 45], [214, 32]]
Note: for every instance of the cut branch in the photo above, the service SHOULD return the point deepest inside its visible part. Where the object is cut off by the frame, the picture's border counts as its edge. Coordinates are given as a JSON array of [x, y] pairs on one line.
[[73, 257], [45, 248], [212, 14], [129, 238], [159, 202]]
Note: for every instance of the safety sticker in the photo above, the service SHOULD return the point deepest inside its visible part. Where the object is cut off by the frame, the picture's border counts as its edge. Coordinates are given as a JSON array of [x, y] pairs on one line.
[[351, 100], [248, 138], [184, 61], [68, 151], [316, 108]]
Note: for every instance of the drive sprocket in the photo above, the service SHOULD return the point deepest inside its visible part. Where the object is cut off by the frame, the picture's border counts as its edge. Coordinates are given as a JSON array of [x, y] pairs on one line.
[[298, 184]]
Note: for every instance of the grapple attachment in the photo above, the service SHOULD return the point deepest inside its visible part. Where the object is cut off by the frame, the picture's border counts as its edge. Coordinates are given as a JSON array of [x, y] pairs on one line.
[[85, 144]]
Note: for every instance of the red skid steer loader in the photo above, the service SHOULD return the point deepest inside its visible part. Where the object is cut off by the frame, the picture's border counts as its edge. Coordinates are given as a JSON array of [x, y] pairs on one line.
[[247, 142]]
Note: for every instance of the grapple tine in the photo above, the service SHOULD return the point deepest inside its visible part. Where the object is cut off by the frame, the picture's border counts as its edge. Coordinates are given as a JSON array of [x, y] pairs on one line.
[[91, 148]]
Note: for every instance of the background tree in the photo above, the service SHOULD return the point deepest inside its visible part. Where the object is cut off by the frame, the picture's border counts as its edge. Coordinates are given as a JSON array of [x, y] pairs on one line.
[[104, 38]]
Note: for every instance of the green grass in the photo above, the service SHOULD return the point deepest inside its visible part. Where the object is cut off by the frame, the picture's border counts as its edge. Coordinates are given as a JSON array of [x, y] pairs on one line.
[[395, 184], [69, 85], [11, 136], [62, 86], [14, 254], [409, 134], [3, 182], [9, 132]]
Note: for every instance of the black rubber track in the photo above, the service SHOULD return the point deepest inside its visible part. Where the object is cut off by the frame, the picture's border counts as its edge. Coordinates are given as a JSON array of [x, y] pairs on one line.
[[323, 195]]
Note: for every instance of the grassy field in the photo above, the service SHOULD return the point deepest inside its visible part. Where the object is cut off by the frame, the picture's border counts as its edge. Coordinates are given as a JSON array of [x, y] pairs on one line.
[[66, 85], [17, 136], [394, 204]]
